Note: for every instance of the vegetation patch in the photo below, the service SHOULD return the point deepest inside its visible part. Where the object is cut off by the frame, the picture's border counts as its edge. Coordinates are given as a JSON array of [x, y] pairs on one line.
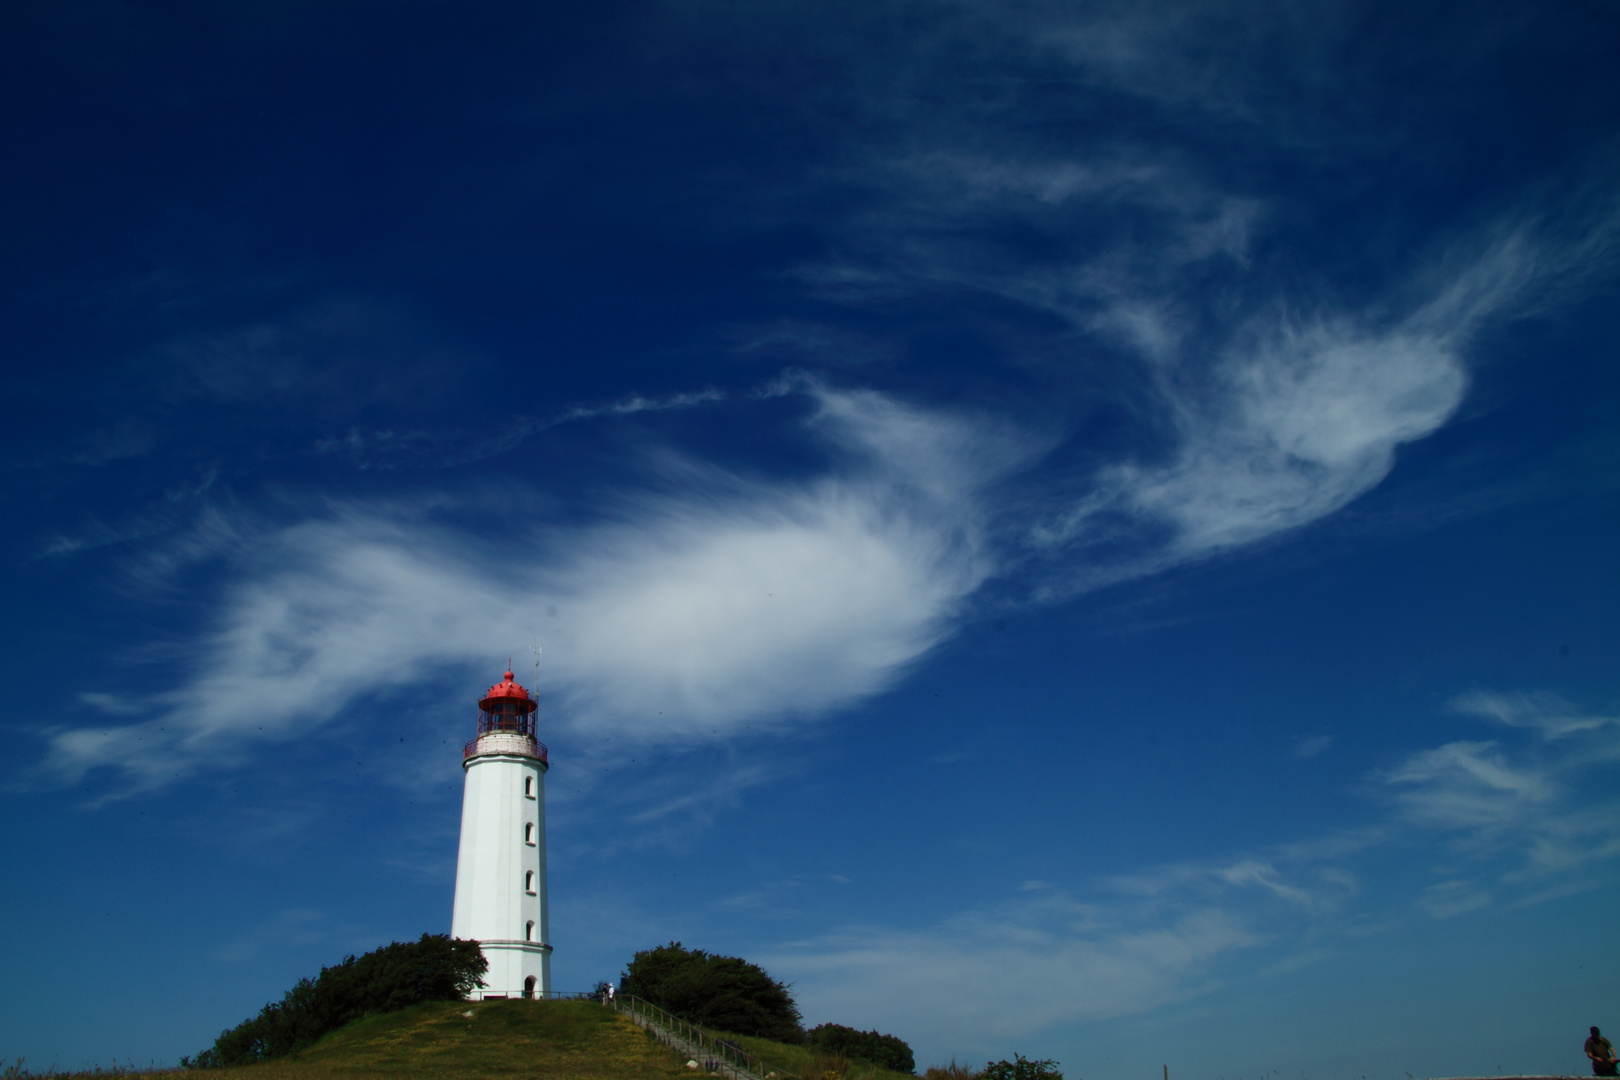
[[885, 1050], [813, 1063], [399, 1012], [726, 993], [436, 968], [500, 1040]]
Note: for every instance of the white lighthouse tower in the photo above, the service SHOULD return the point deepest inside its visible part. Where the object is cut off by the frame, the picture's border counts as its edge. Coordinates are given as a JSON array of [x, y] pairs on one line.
[[501, 867]]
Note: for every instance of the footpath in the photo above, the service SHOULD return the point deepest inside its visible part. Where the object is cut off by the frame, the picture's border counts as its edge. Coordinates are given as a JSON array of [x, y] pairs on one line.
[[703, 1049]]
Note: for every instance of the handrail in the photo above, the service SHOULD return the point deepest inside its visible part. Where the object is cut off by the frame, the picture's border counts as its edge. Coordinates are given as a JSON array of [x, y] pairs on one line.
[[716, 1055], [471, 747]]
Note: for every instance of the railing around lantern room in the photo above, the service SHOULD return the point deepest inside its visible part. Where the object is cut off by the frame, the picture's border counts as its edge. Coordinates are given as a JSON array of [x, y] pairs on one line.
[[506, 718], [540, 750]]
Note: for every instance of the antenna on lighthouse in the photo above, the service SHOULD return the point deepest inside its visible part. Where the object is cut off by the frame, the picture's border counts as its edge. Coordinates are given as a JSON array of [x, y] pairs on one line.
[[536, 650]]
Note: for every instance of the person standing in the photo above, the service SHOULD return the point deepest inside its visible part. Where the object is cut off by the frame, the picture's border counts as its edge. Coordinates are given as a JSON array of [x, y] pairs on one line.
[[1601, 1051]]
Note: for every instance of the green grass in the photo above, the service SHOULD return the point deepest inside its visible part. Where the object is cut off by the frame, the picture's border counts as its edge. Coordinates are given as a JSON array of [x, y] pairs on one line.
[[506, 1040], [812, 1064], [535, 1040]]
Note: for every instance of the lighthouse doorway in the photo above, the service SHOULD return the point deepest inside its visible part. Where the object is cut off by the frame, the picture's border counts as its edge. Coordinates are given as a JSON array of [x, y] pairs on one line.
[[528, 987]]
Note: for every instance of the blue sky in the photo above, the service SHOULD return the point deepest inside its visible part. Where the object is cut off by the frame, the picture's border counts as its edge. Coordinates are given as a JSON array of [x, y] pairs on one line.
[[1085, 530]]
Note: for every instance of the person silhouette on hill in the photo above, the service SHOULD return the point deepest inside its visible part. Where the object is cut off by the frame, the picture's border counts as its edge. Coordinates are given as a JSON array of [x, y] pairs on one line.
[[1601, 1051]]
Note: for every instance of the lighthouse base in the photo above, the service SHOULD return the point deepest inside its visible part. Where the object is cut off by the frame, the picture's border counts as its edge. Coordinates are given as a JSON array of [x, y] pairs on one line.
[[516, 969]]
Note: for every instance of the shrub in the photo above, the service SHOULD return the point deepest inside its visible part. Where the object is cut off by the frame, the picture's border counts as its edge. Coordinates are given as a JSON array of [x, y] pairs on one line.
[[1020, 1068], [885, 1050], [825, 1066], [953, 1071], [436, 968], [724, 992]]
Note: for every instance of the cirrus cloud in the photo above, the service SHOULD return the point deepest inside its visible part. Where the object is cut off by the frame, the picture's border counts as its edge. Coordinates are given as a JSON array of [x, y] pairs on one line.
[[720, 602]]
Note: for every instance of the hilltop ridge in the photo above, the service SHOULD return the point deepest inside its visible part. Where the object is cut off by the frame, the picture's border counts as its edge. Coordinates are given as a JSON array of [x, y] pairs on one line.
[[551, 1040], [499, 1040]]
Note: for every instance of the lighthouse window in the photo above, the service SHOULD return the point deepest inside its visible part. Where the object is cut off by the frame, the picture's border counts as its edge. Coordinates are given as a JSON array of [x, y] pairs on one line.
[[528, 833], [528, 786], [528, 933], [528, 883]]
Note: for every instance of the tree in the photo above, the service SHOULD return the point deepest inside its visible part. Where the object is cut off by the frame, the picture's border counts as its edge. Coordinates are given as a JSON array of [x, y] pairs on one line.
[[435, 968], [1021, 1068], [885, 1050], [725, 992]]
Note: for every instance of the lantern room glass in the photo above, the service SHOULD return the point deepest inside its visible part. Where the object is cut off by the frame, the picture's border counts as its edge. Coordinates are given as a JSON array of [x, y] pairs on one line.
[[513, 715]]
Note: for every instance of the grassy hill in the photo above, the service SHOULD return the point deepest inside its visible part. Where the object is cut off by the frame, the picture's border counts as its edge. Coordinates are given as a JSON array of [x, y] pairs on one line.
[[502, 1040], [552, 1040]]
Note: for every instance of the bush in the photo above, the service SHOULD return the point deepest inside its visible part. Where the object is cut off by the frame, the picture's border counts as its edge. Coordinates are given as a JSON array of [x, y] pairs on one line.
[[724, 992], [822, 1065], [1021, 1069], [436, 968], [885, 1050], [953, 1071]]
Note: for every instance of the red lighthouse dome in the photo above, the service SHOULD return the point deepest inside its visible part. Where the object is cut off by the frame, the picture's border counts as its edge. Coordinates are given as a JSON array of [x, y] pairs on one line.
[[507, 708], [506, 717], [507, 698]]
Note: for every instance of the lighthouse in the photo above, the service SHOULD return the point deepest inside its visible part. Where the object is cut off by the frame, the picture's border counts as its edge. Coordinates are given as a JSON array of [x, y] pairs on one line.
[[501, 866]]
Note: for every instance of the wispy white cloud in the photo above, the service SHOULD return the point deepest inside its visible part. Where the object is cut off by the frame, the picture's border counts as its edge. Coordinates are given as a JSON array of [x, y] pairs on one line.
[[722, 603], [166, 514], [723, 600], [1312, 418], [1163, 933], [1548, 714], [1296, 418], [114, 705], [1468, 785], [969, 983], [1257, 408], [795, 342], [388, 449], [1301, 877], [1262, 398], [1543, 803], [1263, 421], [1165, 54], [671, 808]]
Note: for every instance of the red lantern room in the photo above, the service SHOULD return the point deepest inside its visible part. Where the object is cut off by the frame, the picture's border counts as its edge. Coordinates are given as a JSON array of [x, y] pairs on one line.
[[507, 707]]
